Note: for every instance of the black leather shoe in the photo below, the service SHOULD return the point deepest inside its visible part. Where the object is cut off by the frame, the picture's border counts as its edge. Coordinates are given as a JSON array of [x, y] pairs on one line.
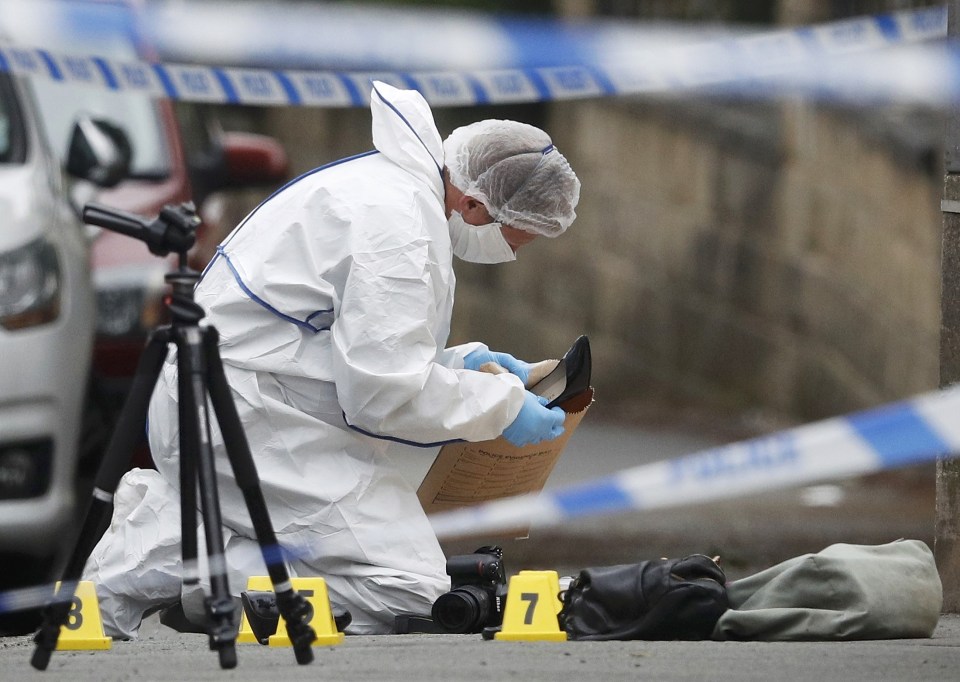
[[264, 616], [262, 613], [570, 377]]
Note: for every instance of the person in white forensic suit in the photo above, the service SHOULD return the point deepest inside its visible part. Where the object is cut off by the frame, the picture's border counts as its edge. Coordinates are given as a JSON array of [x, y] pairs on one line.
[[333, 301]]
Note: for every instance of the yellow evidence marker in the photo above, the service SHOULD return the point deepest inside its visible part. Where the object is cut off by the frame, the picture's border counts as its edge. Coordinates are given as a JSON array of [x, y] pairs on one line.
[[314, 590], [533, 603], [83, 630]]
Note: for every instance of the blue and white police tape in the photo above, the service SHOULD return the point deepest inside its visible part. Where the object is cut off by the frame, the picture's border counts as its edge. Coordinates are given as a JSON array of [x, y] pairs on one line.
[[873, 58], [24, 598], [895, 435], [349, 37]]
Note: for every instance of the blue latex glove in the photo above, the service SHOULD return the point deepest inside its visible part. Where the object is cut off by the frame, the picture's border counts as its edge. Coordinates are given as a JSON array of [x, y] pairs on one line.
[[508, 362], [535, 422]]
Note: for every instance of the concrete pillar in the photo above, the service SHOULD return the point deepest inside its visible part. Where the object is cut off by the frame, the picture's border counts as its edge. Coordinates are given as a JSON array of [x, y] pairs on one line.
[[947, 537]]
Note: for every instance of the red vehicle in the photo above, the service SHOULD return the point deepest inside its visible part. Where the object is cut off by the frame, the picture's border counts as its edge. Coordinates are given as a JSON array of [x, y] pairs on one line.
[[178, 154], [128, 278]]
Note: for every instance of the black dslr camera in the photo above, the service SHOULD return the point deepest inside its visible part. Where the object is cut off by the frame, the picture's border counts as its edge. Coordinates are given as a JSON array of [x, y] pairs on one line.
[[478, 592]]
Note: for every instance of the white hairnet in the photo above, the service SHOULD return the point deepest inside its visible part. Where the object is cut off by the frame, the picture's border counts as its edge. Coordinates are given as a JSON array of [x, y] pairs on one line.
[[515, 170]]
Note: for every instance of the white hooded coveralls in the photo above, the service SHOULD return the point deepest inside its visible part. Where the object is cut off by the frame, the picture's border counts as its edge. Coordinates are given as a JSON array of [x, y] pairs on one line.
[[333, 302]]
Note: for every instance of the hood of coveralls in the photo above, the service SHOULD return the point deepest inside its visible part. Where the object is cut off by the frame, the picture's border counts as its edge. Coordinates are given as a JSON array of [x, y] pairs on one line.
[[404, 131]]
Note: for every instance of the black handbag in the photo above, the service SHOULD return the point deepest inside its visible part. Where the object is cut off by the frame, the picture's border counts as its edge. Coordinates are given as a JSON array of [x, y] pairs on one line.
[[660, 599]]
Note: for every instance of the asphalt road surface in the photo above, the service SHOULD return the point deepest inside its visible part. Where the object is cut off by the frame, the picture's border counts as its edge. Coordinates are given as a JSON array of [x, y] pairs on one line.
[[162, 654]]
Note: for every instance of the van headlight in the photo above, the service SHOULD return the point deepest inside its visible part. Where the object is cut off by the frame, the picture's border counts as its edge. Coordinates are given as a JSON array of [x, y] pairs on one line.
[[29, 285]]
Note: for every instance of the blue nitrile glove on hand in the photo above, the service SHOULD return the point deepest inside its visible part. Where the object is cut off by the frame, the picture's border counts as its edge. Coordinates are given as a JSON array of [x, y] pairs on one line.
[[482, 356], [535, 422]]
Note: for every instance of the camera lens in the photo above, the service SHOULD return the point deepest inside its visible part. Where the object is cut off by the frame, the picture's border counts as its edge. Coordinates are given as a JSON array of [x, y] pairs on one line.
[[462, 610], [483, 566]]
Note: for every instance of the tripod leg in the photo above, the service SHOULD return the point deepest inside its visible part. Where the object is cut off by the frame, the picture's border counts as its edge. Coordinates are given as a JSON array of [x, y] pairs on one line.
[[196, 446], [295, 610], [188, 478], [116, 460]]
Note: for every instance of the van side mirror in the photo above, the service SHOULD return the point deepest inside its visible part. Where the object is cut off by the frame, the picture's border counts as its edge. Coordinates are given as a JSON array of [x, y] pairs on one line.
[[99, 151]]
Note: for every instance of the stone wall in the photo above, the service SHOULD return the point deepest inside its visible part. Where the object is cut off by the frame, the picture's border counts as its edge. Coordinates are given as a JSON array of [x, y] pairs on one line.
[[774, 257]]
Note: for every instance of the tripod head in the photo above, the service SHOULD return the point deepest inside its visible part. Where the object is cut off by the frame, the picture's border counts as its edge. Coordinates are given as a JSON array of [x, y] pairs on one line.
[[173, 231]]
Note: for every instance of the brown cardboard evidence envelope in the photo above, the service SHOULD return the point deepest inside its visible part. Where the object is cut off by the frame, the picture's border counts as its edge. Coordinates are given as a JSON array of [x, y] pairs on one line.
[[465, 474]]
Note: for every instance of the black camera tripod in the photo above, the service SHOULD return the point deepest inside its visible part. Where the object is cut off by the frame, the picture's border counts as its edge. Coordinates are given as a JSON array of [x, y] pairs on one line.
[[200, 374]]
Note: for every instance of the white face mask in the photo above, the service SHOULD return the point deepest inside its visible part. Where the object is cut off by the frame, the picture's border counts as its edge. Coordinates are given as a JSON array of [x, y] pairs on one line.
[[479, 243]]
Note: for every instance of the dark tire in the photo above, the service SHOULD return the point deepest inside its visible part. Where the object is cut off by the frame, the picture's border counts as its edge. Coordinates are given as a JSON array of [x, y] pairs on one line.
[[23, 571]]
